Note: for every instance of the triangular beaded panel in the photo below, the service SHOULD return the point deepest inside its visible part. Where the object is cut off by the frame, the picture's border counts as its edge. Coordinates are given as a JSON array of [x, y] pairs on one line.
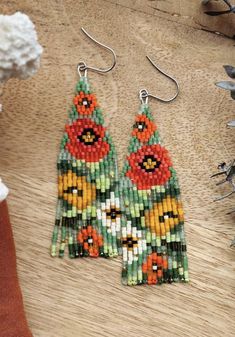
[[88, 207], [153, 238]]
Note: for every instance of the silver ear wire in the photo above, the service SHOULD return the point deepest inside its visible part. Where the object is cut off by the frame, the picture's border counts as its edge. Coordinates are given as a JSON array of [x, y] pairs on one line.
[[144, 94], [82, 66]]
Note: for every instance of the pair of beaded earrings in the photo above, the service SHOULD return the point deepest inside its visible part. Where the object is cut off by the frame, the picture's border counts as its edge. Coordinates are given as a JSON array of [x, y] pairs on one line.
[[137, 214]]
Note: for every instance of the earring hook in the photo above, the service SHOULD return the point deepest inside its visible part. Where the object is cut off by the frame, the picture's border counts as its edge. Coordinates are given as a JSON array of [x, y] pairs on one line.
[[82, 66], [144, 94]]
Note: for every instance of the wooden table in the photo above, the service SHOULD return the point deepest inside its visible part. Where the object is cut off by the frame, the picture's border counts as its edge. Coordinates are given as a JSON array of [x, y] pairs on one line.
[[67, 298]]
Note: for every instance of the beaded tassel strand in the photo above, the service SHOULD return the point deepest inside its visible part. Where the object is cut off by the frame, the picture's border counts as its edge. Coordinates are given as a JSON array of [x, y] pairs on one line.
[[153, 238], [88, 206]]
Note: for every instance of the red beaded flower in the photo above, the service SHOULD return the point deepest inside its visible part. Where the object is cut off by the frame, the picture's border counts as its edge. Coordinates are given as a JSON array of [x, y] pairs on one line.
[[85, 103], [143, 128], [86, 140], [149, 166]]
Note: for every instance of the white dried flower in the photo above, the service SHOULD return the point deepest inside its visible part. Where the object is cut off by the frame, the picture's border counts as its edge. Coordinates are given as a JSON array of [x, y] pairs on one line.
[[19, 49], [3, 191]]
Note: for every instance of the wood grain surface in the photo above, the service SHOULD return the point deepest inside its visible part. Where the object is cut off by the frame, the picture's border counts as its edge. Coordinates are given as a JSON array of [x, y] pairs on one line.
[[67, 298]]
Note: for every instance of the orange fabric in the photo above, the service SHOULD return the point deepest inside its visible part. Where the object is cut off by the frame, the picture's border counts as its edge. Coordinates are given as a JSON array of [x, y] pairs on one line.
[[12, 317]]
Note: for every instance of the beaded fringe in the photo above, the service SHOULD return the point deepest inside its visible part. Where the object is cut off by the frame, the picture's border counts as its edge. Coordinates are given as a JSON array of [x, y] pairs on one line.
[[153, 238], [88, 207]]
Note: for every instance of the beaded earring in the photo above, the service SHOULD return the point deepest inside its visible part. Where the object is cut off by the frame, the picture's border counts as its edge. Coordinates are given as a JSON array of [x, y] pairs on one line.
[[153, 238], [88, 206]]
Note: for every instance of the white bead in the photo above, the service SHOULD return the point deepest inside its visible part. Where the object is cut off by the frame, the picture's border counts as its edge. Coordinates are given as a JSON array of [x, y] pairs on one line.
[[124, 256], [118, 227], [108, 203], [128, 227], [103, 216], [112, 197], [98, 212], [117, 202], [139, 234], [113, 227], [140, 249], [134, 232], [130, 257], [153, 235], [124, 250], [144, 245], [124, 232]]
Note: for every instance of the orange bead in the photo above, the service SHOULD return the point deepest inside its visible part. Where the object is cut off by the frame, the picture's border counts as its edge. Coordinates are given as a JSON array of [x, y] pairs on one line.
[[95, 237], [159, 260], [80, 237], [94, 231], [144, 267], [165, 264], [149, 279], [154, 257], [149, 262], [154, 278], [95, 252], [159, 273], [100, 240], [84, 231], [89, 230]]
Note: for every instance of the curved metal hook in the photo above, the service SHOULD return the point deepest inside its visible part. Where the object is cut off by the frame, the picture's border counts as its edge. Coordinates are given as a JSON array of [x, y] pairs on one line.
[[82, 65], [144, 94]]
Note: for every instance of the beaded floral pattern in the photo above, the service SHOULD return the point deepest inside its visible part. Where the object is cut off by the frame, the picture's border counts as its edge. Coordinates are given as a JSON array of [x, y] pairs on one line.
[[149, 166], [153, 238], [143, 128], [86, 140], [85, 103], [88, 208]]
